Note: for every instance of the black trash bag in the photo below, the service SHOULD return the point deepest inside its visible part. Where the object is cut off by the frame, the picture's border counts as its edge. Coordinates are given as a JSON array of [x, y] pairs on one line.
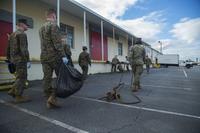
[[11, 67], [68, 82]]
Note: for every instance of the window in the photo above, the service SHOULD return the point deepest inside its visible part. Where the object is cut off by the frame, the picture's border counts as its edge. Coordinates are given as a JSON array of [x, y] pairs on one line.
[[120, 49], [70, 36], [63, 28], [7, 17], [69, 31]]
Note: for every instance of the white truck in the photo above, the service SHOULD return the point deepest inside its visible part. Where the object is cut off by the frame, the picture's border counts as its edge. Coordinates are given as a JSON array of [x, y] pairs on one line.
[[168, 60], [188, 63]]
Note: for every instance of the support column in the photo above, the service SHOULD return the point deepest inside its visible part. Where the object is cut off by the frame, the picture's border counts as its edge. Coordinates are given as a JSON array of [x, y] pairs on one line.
[[58, 13], [132, 41], [113, 36], [84, 28], [14, 14], [151, 54], [127, 38], [127, 42], [102, 42]]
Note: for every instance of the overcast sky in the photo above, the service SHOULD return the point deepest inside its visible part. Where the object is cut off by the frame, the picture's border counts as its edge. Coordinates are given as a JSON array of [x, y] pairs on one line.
[[174, 22]]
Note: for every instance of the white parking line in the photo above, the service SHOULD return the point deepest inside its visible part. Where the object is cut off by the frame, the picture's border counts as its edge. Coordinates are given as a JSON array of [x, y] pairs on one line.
[[140, 108], [185, 73], [50, 120], [158, 86]]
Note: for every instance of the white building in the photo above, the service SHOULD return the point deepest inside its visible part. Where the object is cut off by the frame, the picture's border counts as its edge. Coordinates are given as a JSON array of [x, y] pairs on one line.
[[83, 27]]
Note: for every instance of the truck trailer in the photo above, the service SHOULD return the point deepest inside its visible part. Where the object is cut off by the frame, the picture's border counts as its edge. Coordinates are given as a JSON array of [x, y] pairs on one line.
[[168, 60]]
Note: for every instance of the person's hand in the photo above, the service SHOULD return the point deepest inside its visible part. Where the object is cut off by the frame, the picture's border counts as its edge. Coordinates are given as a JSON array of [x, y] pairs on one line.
[[28, 65], [65, 60]]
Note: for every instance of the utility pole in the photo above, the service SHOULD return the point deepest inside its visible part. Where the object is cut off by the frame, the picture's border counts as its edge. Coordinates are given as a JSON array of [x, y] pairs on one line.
[[160, 46]]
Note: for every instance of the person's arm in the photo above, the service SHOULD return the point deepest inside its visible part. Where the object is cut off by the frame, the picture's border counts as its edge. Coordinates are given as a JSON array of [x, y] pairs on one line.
[[67, 50], [112, 61], [144, 54], [145, 61], [118, 61], [131, 55], [23, 44], [89, 59], [57, 40], [79, 59], [8, 51]]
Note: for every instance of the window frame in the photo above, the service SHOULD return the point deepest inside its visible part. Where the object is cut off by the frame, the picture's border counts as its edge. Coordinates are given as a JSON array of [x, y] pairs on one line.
[[64, 30], [120, 48]]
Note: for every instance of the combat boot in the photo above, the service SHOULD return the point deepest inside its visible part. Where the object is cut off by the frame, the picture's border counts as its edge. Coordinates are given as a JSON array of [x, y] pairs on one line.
[[135, 88], [52, 102], [139, 87], [47, 95], [11, 92], [22, 99], [47, 92]]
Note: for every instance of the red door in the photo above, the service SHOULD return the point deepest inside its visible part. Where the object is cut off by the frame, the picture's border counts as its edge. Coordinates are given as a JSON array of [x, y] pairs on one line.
[[105, 45], [95, 46], [5, 28]]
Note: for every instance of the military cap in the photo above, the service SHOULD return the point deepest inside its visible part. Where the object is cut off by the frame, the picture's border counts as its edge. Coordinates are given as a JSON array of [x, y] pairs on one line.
[[138, 41], [84, 48], [50, 11]]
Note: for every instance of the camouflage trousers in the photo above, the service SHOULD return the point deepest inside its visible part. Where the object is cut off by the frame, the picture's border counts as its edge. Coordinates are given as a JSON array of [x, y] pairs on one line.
[[148, 68], [137, 71], [21, 78], [85, 71], [48, 69], [113, 68]]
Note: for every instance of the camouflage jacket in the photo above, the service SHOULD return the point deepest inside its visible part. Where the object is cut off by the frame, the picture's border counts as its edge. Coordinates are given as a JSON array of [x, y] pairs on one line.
[[51, 43], [137, 55], [148, 61], [68, 54], [67, 49], [17, 50], [115, 61], [84, 59]]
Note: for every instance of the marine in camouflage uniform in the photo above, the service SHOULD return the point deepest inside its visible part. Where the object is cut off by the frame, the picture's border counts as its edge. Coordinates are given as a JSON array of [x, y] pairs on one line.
[[148, 63], [17, 53], [114, 63], [67, 51], [137, 57], [52, 51], [84, 60], [127, 63]]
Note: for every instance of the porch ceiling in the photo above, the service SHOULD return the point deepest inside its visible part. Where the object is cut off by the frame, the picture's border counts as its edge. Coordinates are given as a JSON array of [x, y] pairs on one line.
[[76, 9]]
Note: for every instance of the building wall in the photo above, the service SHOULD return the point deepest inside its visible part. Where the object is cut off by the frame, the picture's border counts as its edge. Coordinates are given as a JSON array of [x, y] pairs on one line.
[[23, 7], [36, 10], [78, 33], [154, 55], [148, 51], [113, 48]]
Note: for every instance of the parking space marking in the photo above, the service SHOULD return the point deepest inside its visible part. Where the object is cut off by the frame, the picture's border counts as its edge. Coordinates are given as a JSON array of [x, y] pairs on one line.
[[140, 108], [185, 73], [50, 120], [158, 86]]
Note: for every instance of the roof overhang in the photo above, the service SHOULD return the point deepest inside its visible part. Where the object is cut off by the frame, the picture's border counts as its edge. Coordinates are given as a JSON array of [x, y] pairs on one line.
[[76, 9]]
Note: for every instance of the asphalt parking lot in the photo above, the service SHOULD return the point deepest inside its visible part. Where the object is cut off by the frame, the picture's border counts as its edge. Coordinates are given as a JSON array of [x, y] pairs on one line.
[[170, 104]]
